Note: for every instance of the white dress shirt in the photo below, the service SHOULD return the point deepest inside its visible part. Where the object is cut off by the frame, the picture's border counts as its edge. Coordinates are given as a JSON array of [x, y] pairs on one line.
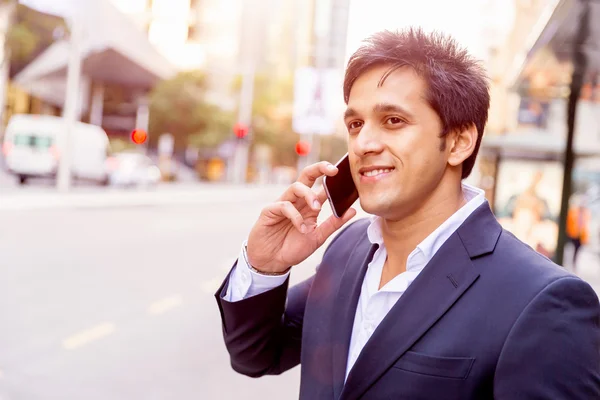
[[373, 303]]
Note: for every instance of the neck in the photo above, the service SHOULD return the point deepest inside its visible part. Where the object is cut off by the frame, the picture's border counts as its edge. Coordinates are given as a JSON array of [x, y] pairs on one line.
[[401, 236]]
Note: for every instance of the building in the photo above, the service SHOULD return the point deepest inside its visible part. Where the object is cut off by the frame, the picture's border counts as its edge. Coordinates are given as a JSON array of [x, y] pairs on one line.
[[523, 151], [118, 68], [172, 27]]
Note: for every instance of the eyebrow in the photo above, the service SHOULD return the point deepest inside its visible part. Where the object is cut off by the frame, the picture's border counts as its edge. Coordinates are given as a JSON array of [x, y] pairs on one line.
[[380, 108]]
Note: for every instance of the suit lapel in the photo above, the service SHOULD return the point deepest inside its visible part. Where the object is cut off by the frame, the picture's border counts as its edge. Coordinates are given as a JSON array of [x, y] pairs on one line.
[[346, 301], [437, 288]]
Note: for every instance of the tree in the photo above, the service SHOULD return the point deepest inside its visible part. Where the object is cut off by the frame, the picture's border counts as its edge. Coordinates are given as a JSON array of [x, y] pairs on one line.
[[30, 33], [272, 116], [178, 107]]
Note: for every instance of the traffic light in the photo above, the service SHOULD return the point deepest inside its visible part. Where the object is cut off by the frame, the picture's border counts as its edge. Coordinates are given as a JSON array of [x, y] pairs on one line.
[[302, 148], [240, 130], [139, 136]]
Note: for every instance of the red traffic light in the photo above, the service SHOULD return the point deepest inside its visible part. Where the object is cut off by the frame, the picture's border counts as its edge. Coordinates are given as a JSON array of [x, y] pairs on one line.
[[302, 148], [240, 130], [139, 136]]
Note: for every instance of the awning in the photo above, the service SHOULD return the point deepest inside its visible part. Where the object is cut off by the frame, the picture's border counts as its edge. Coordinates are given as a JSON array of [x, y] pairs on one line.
[[114, 51], [536, 145], [559, 34]]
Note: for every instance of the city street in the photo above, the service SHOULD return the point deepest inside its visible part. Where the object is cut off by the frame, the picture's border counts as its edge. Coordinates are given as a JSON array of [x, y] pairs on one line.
[[117, 302]]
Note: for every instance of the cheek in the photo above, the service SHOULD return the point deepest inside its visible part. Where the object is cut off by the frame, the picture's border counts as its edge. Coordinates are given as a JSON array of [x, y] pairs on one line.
[[419, 158]]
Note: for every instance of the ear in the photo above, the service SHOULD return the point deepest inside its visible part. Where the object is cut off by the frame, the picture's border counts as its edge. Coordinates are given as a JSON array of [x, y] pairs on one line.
[[462, 145]]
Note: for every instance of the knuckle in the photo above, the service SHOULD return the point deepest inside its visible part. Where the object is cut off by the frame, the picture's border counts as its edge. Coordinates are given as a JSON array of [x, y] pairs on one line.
[[298, 187], [308, 169]]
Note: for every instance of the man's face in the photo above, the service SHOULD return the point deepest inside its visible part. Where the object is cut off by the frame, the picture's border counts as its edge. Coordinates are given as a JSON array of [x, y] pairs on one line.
[[394, 142]]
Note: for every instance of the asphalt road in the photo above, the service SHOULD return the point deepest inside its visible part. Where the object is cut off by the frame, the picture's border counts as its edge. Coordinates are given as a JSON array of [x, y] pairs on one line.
[[118, 303]]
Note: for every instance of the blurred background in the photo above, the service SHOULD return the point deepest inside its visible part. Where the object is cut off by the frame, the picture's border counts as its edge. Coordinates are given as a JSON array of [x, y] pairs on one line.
[[141, 138]]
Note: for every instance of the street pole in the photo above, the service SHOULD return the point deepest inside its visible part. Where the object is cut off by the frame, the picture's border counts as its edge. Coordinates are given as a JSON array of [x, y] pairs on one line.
[[580, 63], [7, 13], [322, 30], [242, 147], [70, 111]]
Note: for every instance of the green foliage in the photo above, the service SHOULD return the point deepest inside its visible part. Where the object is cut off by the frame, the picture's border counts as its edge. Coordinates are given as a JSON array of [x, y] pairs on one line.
[[272, 116], [30, 33], [21, 41], [333, 147], [178, 107], [120, 145]]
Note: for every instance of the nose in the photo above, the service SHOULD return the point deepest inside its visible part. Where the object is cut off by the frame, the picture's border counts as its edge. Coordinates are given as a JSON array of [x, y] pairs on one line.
[[368, 141]]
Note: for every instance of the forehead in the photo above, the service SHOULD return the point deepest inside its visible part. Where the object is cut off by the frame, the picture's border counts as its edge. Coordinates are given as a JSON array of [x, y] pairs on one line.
[[403, 87]]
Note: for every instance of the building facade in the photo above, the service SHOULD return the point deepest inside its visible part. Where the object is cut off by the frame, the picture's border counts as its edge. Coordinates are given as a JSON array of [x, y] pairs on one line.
[[171, 26]]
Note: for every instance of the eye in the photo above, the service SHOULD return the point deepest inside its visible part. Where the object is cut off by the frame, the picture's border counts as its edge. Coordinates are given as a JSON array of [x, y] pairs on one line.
[[394, 121], [354, 125]]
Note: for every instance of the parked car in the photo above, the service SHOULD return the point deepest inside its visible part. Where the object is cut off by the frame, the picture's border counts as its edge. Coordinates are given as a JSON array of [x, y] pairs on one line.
[[131, 169]]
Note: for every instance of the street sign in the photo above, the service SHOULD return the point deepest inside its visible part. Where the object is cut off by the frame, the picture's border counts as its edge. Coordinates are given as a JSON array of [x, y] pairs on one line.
[[318, 101]]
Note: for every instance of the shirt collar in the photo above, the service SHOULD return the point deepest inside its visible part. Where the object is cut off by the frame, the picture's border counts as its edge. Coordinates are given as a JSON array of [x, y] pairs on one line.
[[474, 197]]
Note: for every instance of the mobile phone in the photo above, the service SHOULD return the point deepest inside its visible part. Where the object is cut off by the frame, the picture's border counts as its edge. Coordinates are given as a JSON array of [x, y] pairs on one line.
[[340, 188]]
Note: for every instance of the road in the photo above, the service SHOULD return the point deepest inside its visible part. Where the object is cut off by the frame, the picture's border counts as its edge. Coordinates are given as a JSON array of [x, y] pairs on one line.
[[117, 302]]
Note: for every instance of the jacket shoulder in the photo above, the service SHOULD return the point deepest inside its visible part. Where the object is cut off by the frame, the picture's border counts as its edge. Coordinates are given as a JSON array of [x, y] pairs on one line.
[[519, 260]]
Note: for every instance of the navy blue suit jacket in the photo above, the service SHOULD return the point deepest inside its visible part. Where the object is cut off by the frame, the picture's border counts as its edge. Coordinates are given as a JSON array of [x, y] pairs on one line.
[[487, 318]]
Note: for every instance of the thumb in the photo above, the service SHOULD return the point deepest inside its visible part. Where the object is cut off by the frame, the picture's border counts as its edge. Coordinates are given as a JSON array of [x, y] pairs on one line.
[[332, 224]]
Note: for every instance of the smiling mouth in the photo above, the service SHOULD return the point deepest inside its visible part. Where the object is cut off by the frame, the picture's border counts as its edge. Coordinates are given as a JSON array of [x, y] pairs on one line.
[[376, 172]]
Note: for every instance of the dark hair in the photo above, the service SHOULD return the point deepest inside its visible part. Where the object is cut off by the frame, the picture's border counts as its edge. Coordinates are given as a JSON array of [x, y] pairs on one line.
[[457, 85]]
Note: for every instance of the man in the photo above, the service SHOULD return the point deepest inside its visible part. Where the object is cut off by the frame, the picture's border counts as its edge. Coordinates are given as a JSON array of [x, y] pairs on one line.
[[578, 222], [430, 299]]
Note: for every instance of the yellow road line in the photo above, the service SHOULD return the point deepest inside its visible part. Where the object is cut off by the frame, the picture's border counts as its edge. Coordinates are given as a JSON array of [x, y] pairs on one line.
[[84, 337], [164, 305]]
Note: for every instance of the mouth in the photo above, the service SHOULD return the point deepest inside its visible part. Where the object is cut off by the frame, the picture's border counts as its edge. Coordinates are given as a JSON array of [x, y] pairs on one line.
[[371, 172]]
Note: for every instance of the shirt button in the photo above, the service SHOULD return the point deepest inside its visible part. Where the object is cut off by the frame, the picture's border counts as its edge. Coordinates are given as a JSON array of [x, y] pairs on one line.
[[369, 327]]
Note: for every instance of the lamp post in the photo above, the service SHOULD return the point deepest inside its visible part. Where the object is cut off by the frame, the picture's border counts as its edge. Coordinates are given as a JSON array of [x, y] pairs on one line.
[[580, 63], [70, 111]]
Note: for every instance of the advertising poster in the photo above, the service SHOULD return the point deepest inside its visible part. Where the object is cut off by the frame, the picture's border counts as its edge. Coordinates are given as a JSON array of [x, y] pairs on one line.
[[528, 202]]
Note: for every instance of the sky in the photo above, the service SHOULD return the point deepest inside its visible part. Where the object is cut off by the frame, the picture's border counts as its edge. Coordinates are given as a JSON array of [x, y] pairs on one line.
[[465, 20]]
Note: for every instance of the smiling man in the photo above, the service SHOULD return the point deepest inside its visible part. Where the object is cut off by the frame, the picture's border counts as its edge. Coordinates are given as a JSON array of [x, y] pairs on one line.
[[430, 298]]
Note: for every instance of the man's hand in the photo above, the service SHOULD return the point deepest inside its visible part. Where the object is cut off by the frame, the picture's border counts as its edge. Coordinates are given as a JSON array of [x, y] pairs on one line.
[[286, 232]]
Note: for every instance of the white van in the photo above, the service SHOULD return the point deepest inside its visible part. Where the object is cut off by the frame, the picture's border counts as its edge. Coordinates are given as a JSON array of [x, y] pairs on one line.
[[31, 148]]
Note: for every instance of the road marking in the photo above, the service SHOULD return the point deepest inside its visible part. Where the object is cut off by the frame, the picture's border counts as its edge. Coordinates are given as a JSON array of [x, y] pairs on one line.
[[88, 336], [164, 305], [212, 285]]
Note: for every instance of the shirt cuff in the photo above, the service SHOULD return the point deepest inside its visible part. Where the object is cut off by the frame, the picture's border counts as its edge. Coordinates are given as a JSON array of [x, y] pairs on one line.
[[245, 283]]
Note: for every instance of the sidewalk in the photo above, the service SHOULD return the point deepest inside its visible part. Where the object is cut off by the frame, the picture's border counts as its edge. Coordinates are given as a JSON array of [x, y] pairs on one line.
[[164, 195]]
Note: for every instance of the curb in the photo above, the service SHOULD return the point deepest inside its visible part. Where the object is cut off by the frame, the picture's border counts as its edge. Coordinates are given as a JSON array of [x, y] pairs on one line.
[[172, 197]]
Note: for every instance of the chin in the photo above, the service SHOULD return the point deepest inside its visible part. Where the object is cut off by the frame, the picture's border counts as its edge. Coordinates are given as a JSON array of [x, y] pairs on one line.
[[375, 206]]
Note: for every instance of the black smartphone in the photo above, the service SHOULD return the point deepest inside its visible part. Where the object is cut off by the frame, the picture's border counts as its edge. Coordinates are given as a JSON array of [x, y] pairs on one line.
[[340, 188]]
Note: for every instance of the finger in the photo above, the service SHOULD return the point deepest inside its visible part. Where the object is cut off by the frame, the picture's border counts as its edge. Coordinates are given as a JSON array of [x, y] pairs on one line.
[[322, 195], [300, 191], [286, 209], [310, 174], [332, 224]]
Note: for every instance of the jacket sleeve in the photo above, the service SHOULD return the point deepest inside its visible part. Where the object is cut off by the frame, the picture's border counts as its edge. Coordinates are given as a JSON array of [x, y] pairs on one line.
[[553, 350], [263, 333]]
